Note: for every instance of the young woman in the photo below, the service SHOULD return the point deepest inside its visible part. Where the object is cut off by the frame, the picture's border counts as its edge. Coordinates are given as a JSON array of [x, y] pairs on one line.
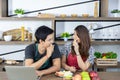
[[79, 55], [44, 55]]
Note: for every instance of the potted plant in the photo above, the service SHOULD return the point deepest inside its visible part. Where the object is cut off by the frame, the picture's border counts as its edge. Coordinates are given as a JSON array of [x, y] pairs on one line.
[[65, 36], [115, 12], [19, 12]]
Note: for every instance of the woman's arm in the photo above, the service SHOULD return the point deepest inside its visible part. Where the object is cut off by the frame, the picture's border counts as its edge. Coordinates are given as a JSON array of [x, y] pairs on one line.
[[83, 65], [90, 60], [64, 65], [56, 67]]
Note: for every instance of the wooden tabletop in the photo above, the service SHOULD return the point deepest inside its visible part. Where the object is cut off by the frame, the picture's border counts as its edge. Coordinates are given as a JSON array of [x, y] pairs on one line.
[[102, 75]]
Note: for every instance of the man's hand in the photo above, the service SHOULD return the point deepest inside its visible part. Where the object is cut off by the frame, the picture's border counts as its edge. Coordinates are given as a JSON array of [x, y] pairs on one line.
[[39, 73], [50, 50]]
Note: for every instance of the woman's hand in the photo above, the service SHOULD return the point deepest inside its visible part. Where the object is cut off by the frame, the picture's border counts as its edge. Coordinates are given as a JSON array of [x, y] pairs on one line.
[[50, 50], [76, 46], [72, 69]]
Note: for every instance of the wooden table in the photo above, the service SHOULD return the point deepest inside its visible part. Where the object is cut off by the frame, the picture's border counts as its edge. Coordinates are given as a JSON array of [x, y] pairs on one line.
[[102, 75]]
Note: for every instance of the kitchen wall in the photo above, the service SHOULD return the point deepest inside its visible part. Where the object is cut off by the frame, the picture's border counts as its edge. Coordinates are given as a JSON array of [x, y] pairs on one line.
[[78, 9], [31, 25], [107, 33], [11, 48], [113, 4], [43, 4], [40, 4], [8, 25]]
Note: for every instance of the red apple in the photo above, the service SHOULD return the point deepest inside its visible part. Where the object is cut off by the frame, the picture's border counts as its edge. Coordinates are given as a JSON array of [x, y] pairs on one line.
[[98, 78], [93, 74], [95, 78]]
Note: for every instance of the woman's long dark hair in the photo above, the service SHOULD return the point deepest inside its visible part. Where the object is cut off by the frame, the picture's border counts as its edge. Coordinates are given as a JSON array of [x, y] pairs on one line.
[[84, 45]]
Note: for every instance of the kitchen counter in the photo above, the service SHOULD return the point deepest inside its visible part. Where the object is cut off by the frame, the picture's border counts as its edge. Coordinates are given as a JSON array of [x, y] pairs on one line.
[[102, 75]]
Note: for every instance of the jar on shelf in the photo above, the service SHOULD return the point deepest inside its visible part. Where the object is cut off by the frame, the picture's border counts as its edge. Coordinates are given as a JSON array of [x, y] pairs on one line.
[[22, 33], [96, 9]]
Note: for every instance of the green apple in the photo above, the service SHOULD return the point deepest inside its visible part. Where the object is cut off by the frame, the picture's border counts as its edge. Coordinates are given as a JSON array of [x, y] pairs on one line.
[[68, 77], [86, 78], [84, 73]]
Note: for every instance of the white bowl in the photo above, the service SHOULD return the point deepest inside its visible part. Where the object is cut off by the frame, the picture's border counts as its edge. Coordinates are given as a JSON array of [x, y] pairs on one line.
[[1, 33], [8, 37]]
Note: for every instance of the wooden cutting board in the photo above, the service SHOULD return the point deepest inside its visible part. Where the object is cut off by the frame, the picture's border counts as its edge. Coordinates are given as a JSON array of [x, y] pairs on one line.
[[45, 15], [16, 34]]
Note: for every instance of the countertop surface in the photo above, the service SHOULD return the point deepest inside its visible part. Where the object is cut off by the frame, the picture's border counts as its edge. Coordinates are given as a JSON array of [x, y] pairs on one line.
[[102, 75]]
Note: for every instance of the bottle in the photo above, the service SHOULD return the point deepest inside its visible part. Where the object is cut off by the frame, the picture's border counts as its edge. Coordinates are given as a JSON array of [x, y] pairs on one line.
[[29, 36], [91, 31], [22, 33], [96, 9]]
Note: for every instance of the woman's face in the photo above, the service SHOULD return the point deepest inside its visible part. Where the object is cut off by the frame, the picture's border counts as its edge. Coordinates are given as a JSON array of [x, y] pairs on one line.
[[75, 37]]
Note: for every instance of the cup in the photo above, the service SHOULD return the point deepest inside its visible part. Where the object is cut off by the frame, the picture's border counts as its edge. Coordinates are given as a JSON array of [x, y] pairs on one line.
[[8, 37]]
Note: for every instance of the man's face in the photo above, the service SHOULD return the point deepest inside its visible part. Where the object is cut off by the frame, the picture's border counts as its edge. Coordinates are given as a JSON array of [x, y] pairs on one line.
[[49, 40]]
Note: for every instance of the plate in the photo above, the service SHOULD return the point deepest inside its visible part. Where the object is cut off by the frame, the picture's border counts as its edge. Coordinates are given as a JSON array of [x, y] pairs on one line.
[[64, 74]]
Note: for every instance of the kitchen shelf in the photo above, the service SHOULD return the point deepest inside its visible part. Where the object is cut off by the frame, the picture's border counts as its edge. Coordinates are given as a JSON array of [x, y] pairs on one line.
[[96, 42], [106, 42], [58, 42], [65, 18], [15, 42], [90, 18], [26, 18]]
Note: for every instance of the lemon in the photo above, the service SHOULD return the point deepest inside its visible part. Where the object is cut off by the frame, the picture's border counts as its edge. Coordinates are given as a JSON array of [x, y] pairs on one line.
[[104, 57]]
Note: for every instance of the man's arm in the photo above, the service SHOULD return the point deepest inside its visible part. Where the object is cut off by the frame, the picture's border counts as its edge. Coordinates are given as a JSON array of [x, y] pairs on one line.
[[37, 64], [56, 67]]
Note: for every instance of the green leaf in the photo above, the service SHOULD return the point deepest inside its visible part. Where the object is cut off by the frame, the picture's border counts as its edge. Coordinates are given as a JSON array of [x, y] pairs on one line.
[[19, 11], [115, 11], [65, 34], [97, 54]]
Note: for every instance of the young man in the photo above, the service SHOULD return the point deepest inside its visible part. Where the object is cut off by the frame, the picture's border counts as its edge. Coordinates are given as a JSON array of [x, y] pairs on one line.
[[44, 55]]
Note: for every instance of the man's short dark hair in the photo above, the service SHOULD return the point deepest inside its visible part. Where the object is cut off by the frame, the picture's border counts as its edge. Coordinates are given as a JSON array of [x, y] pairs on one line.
[[42, 32]]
